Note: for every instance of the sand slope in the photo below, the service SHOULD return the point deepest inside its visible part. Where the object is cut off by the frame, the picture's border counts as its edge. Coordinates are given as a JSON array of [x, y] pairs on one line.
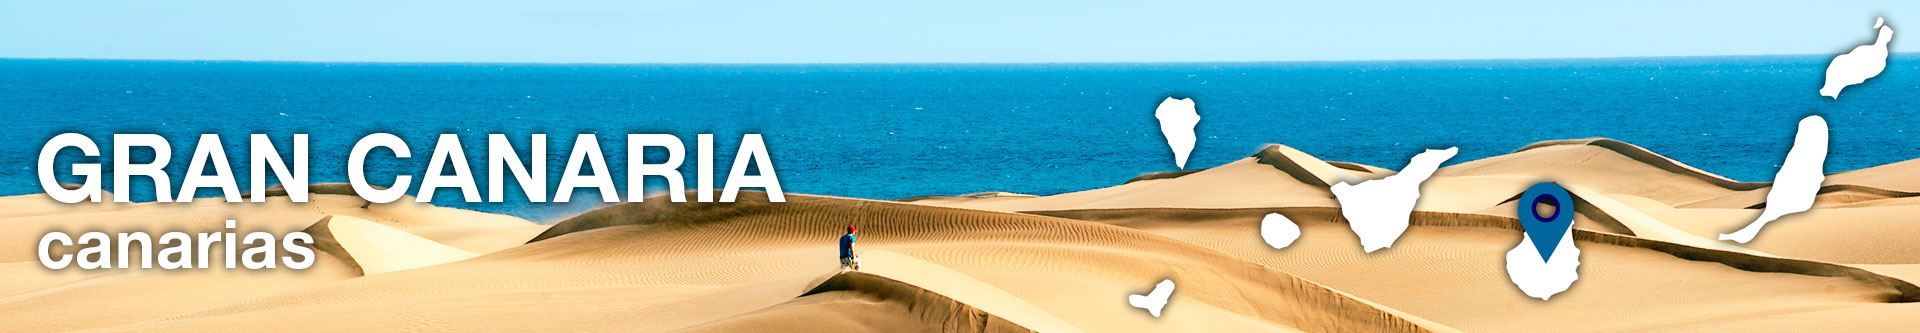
[[1606, 165], [374, 248], [1075, 271], [872, 301], [1894, 177], [1276, 176], [33, 298]]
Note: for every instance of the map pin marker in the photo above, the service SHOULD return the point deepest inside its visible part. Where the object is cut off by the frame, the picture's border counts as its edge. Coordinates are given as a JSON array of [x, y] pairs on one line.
[[1546, 231]]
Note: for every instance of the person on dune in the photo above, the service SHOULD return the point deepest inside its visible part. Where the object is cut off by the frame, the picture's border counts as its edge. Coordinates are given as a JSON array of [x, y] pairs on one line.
[[848, 261]]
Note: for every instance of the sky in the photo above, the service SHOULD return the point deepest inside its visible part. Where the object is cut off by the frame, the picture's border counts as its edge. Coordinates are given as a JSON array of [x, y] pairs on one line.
[[931, 31]]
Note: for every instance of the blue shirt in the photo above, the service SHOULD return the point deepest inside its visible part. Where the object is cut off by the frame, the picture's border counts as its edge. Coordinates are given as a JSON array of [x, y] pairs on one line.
[[846, 246]]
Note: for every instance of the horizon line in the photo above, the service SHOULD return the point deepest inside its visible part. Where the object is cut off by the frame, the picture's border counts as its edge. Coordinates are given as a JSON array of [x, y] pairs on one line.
[[429, 62]]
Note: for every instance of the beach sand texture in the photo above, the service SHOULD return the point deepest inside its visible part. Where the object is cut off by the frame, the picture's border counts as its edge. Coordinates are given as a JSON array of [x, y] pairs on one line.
[[1012, 262]]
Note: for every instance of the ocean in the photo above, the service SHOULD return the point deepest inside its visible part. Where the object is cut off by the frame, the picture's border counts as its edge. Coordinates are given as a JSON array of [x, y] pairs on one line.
[[886, 131]]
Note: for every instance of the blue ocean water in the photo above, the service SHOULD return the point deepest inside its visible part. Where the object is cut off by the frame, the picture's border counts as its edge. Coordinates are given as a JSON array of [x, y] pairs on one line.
[[892, 131]]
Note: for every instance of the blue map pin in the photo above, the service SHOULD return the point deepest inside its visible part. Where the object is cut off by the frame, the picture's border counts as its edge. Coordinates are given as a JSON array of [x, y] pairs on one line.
[[1546, 231]]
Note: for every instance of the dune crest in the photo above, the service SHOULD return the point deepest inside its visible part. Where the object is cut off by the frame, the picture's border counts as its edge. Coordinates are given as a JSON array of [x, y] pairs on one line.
[[1305, 167], [859, 301], [964, 289], [1896, 176], [1605, 165], [376, 248], [1275, 176]]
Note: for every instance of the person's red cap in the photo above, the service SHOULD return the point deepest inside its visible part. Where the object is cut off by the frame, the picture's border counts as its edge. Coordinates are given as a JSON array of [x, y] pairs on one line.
[[850, 229]]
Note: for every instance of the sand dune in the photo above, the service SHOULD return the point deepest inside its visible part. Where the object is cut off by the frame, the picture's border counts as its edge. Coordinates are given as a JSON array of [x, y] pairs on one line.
[[1608, 166], [1447, 269], [859, 302], [660, 270], [1645, 226], [1276, 176], [1076, 270], [1853, 235], [1621, 189], [660, 260], [1831, 195], [871, 301], [1001, 261], [1893, 177], [1362, 168], [374, 248], [30, 205], [1255, 185]]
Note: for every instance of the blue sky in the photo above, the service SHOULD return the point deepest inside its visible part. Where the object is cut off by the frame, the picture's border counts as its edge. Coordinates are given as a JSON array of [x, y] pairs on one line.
[[920, 31]]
